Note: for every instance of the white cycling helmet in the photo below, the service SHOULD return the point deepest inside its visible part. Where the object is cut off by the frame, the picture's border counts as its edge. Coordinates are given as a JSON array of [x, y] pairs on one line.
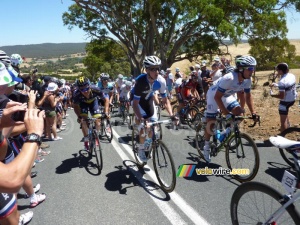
[[245, 61], [128, 83], [120, 76], [4, 58], [151, 61], [16, 59], [104, 76]]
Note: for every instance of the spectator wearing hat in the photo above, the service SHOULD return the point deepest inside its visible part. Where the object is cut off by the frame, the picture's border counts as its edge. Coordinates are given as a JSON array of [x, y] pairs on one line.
[[205, 77], [178, 73], [287, 93], [48, 103], [169, 82]]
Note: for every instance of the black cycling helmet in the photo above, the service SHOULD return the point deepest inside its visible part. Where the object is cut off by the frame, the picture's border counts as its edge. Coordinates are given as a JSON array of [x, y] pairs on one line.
[[82, 81], [283, 67]]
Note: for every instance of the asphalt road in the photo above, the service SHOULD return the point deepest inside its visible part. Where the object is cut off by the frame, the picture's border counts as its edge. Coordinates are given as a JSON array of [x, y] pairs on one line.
[[122, 194]]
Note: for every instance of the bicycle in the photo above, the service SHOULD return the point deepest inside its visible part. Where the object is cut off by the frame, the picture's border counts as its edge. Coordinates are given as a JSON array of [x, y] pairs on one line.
[[124, 106], [292, 133], [106, 128], [266, 203], [94, 142], [162, 159], [239, 146], [187, 113]]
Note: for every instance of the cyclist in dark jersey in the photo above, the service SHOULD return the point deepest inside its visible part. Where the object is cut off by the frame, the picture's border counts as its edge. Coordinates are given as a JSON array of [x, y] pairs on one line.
[[143, 92], [85, 99]]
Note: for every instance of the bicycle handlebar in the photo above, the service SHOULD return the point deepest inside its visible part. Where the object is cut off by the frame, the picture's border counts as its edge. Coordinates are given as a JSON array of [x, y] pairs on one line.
[[256, 119]]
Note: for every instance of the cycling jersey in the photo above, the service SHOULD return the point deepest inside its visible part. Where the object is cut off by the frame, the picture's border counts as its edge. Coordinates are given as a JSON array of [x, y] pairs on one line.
[[89, 104], [144, 91], [186, 87], [287, 84], [125, 92], [106, 90], [228, 85]]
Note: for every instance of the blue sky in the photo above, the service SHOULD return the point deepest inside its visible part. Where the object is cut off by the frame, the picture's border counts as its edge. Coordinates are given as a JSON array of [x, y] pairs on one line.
[[40, 21]]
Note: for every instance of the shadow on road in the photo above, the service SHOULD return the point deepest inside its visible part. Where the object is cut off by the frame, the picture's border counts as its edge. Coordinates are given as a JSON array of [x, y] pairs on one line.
[[277, 170], [80, 160]]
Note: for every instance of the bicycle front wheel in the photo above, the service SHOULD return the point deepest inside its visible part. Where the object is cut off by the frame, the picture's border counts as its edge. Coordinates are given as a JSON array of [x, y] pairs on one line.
[[243, 160], [97, 151], [135, 148], [107, 129], [255, 203], [291, 133], [199, 138], [190, 116], [164, 166]]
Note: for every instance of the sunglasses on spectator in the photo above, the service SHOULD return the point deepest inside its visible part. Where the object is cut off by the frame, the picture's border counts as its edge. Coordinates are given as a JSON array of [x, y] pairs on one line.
[[250, 68], [85, 89], [154, 69]]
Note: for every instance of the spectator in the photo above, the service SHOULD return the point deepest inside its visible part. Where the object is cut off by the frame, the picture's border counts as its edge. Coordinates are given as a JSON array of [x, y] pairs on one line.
[[216, 72], [287, 93], [170, 82], [205, 77]]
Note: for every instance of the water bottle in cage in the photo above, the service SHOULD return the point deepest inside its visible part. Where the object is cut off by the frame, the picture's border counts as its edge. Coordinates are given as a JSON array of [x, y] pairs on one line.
[[224, 134], [147, 144]]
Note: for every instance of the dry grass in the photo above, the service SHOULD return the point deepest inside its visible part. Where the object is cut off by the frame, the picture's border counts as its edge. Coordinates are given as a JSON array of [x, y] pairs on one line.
[[240, 49]]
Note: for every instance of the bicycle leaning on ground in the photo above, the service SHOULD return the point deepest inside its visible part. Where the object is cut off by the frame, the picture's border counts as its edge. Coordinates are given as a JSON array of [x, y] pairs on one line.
[[240, 149], [258, 203], [162, 159], [94, 146]]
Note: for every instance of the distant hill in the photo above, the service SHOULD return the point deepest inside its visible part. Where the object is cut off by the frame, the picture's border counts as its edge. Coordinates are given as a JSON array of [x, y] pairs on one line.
[[46, 50]]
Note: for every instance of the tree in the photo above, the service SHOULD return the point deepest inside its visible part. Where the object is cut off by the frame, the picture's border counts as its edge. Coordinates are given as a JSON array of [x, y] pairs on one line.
[[106, 56], [175, 29], [269, 52]]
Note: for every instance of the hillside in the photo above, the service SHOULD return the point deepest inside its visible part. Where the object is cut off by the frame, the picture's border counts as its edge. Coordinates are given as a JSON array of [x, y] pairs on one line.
[[46, 50]]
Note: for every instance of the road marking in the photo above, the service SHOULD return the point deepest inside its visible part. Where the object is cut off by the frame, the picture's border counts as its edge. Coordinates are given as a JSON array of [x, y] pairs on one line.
[[165, 207], [189, 211]]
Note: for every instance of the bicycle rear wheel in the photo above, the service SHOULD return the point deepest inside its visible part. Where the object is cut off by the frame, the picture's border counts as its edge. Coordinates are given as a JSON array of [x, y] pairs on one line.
[[199, 139], [254, 203], [190, 116], [95, 148], [164, 166], [135, 148], [197, 120], [107, 129], [244, 156], [292, 133]]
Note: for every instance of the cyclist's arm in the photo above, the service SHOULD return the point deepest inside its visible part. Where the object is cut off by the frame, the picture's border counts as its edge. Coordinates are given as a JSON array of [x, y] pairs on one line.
[[167, 104], [249, 102], [77, 109]]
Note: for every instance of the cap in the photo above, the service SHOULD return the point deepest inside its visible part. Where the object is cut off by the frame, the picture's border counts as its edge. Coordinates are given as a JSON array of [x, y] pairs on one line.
[[47, 78], [203, 64], [5, 77], [14, 76], [197, 66], [217, 59], [52, 87]]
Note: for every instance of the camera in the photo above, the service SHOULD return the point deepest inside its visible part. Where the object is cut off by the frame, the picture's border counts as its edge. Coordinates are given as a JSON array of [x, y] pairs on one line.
[[18, 97]]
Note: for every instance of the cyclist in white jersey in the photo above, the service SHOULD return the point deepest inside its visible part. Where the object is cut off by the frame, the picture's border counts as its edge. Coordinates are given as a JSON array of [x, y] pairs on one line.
[[287, 93], [221, 96]]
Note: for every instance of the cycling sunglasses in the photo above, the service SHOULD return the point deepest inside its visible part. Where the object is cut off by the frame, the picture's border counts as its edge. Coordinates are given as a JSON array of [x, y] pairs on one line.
[[250, 68], [85, 89], [154, 69]]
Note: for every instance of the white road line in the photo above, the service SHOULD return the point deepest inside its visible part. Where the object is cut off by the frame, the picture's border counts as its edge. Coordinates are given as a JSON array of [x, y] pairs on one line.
[[165, 207], [189, 211]]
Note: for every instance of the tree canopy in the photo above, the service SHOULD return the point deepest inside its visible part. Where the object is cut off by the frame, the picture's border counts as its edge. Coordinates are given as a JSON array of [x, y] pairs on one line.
[[178, 29]]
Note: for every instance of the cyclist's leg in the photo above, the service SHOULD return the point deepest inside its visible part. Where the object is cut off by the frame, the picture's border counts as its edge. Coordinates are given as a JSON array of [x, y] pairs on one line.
[[84, 110], [95, 113], [283, 112]]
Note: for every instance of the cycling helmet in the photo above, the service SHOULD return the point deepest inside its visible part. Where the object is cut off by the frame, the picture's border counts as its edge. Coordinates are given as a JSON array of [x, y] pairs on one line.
[[283, 67], [151, 61], [104, 76], [4, 58], [16, 59], [120, 76], [245, 61], [128, 83], [82, 81]]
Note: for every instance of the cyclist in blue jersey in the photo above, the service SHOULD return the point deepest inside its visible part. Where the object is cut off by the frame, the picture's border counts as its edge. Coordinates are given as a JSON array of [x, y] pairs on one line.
[[143, 97]]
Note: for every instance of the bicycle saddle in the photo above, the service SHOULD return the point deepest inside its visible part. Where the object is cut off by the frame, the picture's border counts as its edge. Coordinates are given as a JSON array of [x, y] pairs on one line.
[[282, 142]]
